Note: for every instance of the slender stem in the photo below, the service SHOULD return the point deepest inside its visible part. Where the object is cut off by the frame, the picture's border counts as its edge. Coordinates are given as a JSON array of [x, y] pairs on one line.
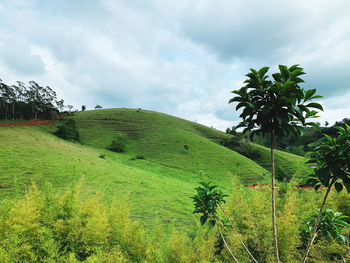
[[274, 228], [234, 230], [314, 232], [223, 239]]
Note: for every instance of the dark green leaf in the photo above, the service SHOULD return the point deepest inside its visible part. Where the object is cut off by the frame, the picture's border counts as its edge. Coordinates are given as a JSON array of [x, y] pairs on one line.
[[211, 223], [203, 219], [309, 93], [338, 187], [315, 105]]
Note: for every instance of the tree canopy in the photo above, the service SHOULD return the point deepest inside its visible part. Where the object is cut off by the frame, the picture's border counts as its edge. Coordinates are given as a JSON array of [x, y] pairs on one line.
[[275, 106], [28, 101]]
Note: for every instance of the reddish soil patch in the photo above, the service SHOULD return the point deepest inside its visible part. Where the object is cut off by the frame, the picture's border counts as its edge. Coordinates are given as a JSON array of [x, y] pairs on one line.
[[262, 186], [31, 122], [259, 186]]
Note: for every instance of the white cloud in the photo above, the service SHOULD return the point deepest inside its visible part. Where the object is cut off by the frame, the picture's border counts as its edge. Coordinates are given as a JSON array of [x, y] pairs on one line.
[[180, 57]]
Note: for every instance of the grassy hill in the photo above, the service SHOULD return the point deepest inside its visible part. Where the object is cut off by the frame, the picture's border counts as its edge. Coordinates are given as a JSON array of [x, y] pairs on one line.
[[34, 155], [161, 138], [158, 185]]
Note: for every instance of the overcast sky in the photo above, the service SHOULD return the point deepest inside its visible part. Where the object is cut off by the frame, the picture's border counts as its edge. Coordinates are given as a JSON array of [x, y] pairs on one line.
[[180, 57]]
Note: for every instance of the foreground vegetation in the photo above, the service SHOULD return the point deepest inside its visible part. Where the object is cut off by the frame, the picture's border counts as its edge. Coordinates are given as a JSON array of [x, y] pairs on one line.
[[44, 226]]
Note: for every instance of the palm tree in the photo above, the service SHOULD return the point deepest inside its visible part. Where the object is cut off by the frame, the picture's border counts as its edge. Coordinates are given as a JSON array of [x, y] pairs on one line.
[[277, 108]]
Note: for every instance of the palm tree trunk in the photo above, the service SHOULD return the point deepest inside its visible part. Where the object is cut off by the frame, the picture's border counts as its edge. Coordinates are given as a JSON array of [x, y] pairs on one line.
[[274, 228], [314, 232]]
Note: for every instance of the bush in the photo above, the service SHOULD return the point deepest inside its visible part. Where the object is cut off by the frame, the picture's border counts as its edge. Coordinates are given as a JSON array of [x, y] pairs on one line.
[[140, 157], [44, 226], [68, 131], [117, 146]]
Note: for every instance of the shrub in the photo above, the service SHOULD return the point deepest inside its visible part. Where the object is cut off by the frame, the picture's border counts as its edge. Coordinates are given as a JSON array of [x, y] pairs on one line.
[[68, 130], [140, 157], [117, 146], [44, 226]]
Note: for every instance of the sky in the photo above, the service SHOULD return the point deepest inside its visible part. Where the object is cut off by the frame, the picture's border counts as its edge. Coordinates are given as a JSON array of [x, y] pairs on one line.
[[179, 57]]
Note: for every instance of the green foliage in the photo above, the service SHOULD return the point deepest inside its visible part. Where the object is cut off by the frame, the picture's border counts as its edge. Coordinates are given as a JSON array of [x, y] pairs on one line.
[[116, 146], [22, 101], [45, 226], [275, 106], [206, 202], [329, 251], [68, 130], [331, 225], [332, 160], [53, 226]]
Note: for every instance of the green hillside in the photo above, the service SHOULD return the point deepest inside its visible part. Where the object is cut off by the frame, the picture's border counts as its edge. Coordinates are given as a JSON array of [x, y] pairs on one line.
[[31, 154], [158, 185], [161, 138]]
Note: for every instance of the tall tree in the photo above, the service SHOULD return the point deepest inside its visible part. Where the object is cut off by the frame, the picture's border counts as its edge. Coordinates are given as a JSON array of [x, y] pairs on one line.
[[70, 107], [6, 98], [26, 102], [60, 104], [277, 108]]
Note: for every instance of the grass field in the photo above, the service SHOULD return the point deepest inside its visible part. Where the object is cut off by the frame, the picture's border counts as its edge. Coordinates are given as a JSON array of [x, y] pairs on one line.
[[159, 185]]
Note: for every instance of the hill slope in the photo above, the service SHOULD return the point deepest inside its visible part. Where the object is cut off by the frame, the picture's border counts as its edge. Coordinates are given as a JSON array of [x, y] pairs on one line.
[[159, 185], [31, 154], [161, 138]]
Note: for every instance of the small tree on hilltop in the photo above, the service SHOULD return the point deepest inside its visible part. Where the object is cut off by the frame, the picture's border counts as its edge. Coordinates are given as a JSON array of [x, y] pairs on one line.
[[97, 107], [332, 160], [275, 108], [83, 107], [70, 107]]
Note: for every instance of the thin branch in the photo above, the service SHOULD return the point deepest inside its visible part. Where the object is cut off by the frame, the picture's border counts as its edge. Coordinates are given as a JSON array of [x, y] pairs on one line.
[[314, 232], [234, 230], [223, 239]]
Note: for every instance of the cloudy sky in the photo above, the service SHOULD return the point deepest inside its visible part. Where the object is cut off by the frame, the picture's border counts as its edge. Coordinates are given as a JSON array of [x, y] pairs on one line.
[[179, 57]]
